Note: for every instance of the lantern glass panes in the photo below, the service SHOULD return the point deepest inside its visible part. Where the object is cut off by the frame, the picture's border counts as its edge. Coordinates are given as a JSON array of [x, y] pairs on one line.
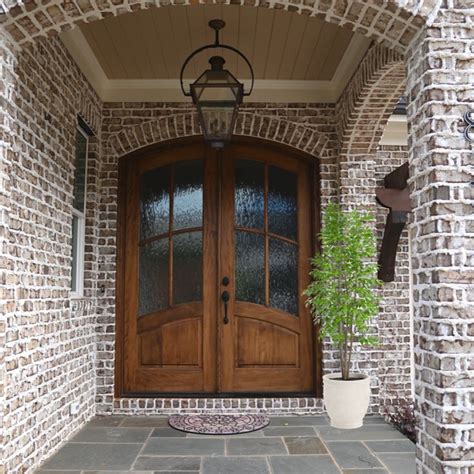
[[217, 95]]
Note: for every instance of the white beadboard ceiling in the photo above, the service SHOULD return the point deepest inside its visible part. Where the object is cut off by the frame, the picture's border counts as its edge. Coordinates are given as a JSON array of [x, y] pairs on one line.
[[138, 56]]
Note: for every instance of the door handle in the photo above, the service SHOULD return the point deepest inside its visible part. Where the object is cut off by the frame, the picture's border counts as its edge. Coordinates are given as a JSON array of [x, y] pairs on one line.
[[225, 297]]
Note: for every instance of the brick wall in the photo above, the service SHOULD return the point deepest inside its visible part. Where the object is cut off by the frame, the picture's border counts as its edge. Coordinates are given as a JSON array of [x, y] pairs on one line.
[[49, 340], [440, 69], [395, 325], [127, 126]]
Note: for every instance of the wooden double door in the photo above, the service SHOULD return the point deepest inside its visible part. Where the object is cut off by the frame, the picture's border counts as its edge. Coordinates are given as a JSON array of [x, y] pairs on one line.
[[215, 255]]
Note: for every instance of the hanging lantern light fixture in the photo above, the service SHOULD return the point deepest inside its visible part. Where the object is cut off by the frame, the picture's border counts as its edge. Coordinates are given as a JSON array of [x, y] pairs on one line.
[[216, 93]]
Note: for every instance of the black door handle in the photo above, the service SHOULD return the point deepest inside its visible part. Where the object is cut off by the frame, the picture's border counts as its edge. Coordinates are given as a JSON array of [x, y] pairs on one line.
[[225, 298]]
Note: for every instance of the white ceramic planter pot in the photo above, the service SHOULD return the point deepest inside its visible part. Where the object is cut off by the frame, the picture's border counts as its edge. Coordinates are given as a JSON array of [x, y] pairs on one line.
[[346, 401]]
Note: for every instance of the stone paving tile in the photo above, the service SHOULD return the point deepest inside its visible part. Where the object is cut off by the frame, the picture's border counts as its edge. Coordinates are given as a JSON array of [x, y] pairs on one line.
[[374, 420], [112, 435], [289, 431], [116, 472], [257, 446], [87, 456], [305, 445], [235, 465], [145, 421], [100, 421], [251, 434], [352, 454], [299, 421], [365, 471], [318, 464], [42, 471], [399, 463], [167, 432], [365, 433], [164, 463], [183, 446], [399, 446]]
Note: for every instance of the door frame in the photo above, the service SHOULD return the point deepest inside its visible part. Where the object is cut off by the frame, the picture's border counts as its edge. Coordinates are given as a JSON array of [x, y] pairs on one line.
[[315, 197]]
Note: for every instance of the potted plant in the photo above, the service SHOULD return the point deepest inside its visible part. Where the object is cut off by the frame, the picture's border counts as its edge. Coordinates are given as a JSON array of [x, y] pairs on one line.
[[343, 301]]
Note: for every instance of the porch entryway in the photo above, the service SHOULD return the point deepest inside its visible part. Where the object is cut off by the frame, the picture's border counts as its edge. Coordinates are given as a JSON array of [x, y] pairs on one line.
[[296, 444], [214, 257]]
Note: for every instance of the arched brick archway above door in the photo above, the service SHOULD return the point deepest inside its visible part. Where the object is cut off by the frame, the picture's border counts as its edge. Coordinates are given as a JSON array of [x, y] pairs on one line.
[[170, 127], [394, 23]]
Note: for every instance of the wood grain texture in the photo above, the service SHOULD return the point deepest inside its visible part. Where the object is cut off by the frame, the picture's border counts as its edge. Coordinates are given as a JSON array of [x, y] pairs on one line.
[[187, 348]]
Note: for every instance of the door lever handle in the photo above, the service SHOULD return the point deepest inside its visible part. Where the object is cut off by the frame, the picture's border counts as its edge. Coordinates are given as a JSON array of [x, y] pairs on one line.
[[225, 298]]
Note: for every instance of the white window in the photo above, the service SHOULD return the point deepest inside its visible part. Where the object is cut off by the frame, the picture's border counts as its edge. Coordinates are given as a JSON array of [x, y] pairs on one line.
[[78, 214]]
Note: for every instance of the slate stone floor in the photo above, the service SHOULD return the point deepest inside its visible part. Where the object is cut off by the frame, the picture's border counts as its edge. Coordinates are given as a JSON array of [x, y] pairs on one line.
[[289, 445]]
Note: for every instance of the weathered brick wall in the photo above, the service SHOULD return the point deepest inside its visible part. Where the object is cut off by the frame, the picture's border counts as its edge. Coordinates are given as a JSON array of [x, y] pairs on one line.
[[362, 113], [394, 322], [127, 126], [440, 69], [49, 345]]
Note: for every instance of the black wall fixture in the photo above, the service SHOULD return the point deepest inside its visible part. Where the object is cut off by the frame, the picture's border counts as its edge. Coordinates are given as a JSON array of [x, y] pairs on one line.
[[394, 196]]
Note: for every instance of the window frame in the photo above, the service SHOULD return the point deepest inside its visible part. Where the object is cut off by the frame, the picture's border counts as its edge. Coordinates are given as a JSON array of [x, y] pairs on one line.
[[79, 253]]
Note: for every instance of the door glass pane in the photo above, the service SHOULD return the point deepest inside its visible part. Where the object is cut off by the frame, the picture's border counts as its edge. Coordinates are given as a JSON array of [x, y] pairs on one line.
[[283, 266], [249, 194], [187, 267], [187, 195], [154, 202], [153, 287], [249, 267], [282, 208]]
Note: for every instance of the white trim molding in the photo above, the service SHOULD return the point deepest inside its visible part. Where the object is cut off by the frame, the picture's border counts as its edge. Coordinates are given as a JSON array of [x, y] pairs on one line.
[[396, 131]]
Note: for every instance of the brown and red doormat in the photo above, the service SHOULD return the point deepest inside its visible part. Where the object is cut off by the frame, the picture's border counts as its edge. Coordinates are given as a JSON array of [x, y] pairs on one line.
[[218, 424]]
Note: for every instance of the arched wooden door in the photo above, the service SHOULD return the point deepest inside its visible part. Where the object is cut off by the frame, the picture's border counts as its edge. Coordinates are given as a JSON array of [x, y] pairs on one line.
[[215, 248]]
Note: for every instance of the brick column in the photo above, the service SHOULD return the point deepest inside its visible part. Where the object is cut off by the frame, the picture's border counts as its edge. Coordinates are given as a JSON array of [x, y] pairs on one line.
[[440, 69]]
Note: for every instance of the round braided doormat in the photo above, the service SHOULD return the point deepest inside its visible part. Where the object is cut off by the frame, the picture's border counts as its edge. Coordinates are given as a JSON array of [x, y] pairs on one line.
[[218, 424]]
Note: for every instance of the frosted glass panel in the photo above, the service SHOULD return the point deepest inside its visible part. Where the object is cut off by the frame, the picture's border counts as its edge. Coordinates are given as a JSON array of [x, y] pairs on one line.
[[249, 267], [154, 202], [153, 287], [283, 265], [282, 205], [249, 194], [187, 267], [187, 195]]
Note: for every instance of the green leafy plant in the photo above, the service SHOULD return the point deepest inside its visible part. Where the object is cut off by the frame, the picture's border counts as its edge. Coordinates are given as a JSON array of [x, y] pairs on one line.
[[341, 295]]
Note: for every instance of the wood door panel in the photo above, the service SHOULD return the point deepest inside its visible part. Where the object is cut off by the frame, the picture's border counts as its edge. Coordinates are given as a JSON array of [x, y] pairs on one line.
[[270, 315], [260, 344], [174, 344], [182, 343], [268, 380], [152, 321]]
